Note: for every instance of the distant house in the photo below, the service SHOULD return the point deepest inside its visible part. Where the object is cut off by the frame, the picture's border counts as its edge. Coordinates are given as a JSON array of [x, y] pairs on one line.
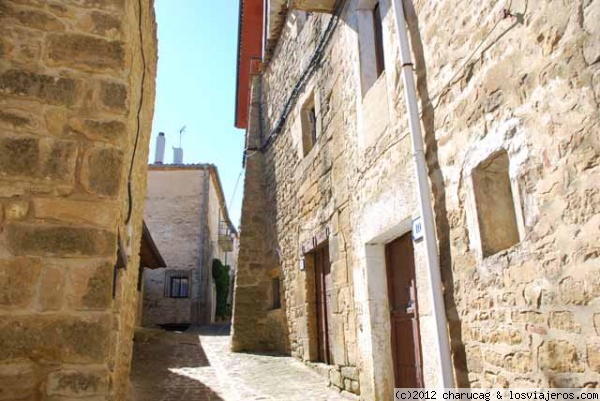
[[186, 212]]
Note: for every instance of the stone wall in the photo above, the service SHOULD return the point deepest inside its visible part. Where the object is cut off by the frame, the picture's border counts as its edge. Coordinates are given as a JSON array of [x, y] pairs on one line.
[[76, 94], [313, 194], [255, 326], [523, 316], [183, 210], [524, 82], [174, 214]]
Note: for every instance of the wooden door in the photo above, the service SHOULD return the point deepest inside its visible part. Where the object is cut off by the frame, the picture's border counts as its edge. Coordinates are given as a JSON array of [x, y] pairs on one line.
[[402, 293], [323, 303]]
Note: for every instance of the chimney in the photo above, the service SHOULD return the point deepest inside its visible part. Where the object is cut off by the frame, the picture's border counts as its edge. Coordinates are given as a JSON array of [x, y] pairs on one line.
[[160, 149], [177, 155]]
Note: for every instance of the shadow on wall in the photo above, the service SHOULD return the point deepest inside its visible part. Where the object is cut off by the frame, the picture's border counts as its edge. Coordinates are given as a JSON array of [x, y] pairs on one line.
[[437, 177], [439, 194]]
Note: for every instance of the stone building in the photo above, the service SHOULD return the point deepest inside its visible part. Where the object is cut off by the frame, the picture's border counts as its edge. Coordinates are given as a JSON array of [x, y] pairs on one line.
[[76, 106], [187, 215], [331, 266]]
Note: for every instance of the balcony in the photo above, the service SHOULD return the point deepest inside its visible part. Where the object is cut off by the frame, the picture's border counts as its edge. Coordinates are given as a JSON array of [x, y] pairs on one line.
[[225, 237], [318, 6]]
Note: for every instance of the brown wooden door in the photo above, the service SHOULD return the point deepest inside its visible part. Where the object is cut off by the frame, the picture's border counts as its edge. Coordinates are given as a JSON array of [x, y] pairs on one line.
[[323, 303], [402, 292]]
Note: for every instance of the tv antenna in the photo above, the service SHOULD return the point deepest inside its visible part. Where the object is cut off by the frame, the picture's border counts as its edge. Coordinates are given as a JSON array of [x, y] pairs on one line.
[[181, 131]]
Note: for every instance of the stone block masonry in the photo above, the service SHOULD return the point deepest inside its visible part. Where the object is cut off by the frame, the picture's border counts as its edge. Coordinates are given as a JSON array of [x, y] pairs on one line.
[[185, 211], [73, 75], [521, 286]]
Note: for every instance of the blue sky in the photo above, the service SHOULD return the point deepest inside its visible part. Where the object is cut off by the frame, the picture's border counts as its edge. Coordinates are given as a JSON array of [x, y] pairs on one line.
[[197, 56]]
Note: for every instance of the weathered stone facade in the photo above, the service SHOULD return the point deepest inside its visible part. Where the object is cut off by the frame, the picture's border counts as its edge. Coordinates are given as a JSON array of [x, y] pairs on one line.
[[255, 324], [76, 106], [495, 84], [184, 208]]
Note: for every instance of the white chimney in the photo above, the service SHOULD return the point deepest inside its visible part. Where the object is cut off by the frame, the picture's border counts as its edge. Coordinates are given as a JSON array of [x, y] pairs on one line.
[[177, 155], [159, 156]]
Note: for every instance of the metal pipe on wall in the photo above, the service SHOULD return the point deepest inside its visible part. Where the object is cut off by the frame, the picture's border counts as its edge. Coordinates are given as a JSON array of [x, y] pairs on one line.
[[445, 370]]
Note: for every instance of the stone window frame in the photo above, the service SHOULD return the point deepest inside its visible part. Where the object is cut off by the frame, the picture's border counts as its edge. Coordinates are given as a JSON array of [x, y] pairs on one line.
[[168, 283], [374, 310], [310, 241], [378, 39], [367, 48], [495, 167], [310, 131], [375, 94], [481, 152], [311, 303]]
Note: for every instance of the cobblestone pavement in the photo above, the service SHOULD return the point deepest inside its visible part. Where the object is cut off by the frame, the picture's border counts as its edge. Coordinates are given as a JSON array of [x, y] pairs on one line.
[[197, 366], [166, 367]]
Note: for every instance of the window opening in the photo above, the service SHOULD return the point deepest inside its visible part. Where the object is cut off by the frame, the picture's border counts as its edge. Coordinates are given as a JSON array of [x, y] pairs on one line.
[[310, 127], [179, 287], [312, 118], [495, 206], [378, 38], [177, 284], [275, 288]]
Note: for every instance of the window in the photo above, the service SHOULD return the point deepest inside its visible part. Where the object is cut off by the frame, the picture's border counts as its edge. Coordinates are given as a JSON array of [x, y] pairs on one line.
[[179, 287], [276, 294], [495, 206], [370, 41], [177, 284], [310, 124], [378, 40]]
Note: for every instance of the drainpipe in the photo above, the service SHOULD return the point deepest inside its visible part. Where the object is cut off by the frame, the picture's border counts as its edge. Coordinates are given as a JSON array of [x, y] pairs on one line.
[[444, 370]]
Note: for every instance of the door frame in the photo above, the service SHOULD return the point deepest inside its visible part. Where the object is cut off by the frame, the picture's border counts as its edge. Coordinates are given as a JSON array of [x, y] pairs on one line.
[[322, 314], [312, 314], [415, 321], [372, 300]]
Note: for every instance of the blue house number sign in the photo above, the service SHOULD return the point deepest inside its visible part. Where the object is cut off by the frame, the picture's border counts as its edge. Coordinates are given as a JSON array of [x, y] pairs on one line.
[[417, 229]]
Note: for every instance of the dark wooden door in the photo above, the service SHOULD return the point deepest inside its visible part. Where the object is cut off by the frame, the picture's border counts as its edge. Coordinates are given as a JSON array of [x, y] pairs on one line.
[[323, 303], [402, 292]]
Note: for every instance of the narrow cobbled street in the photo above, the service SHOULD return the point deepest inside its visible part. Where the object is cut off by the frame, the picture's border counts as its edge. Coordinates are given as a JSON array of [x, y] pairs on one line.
[[196, 365]]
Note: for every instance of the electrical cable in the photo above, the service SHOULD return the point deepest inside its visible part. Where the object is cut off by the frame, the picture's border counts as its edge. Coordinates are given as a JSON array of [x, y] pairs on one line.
[[235, 188], [139, 111], [307, 74]]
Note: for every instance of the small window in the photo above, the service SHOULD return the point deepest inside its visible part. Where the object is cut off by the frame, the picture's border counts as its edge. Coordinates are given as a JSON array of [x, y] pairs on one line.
[[177, 283], [370, 42], [378, 39], [275, 288], [179, 287], [495, 206], [310, 126]]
